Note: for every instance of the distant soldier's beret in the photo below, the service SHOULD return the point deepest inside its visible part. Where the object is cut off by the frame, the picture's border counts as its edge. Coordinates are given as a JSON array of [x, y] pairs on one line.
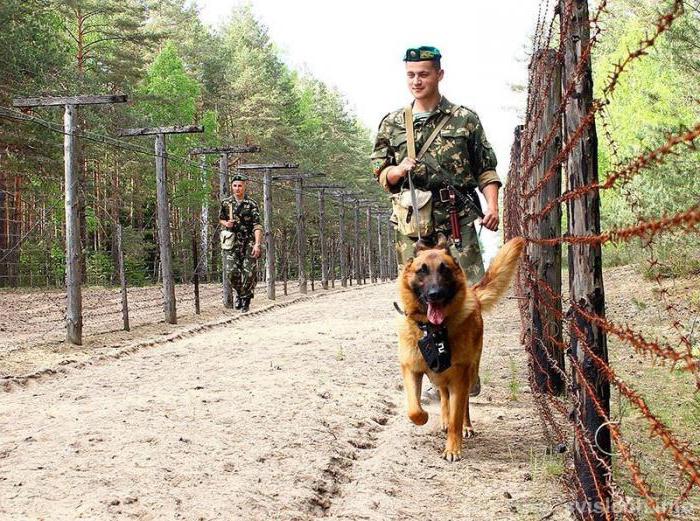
[[422, 53], [239, 177]]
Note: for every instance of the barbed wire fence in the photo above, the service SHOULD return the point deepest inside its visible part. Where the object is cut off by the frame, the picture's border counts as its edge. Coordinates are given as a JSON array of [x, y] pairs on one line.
[[120, 228], [566, 337]]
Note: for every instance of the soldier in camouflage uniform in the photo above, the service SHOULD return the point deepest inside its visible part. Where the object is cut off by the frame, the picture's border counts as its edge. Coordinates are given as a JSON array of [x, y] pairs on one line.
[[460, 157], [242, 231]]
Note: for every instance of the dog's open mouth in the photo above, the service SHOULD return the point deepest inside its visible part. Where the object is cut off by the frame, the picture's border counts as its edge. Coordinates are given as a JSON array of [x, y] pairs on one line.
[[436, 313]]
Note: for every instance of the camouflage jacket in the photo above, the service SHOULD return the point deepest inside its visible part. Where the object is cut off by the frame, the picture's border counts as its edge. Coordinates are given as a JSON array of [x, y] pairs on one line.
[[460, 155], [246, 216]]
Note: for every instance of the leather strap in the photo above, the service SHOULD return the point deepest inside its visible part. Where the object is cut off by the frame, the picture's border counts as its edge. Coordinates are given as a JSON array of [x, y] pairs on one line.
[[441, 124], [410, 136]]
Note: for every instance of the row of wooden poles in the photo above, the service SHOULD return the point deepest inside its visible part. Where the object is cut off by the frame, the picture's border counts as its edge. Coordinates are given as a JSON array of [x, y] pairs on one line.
[[74, 312], [534, 180]]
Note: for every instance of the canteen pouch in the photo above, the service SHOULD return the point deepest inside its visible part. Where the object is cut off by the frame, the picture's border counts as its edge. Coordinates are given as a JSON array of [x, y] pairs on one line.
[[227, 238], [403, 213]]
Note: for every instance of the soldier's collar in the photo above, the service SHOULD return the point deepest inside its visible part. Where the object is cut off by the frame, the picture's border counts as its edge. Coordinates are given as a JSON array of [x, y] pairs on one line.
[[445, 106]]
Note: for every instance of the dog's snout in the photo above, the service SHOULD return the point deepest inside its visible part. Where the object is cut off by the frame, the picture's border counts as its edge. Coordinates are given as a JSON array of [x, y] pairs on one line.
[[435, 293]]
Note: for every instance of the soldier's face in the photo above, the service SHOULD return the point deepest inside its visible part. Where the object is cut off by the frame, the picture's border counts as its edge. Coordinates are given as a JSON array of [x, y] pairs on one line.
[[238, 189], [423, 79]]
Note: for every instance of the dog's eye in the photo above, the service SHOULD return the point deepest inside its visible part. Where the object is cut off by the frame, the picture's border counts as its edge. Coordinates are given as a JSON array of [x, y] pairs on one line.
[[443, 267], [423, 270]]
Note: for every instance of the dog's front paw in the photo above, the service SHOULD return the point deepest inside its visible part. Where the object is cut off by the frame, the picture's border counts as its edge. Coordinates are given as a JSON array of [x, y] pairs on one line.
[[469, 432], [451, 455], [419, 417]]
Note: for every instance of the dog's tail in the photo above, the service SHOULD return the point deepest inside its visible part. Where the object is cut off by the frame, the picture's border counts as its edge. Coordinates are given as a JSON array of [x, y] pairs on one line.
[[497, 279]]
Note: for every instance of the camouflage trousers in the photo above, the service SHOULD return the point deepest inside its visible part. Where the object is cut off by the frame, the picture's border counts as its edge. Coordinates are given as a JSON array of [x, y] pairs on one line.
[[240, 270], [469, 257]]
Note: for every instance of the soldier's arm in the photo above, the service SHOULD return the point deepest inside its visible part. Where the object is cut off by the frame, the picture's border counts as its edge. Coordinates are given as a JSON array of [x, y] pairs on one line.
[[257, 231], [484, 162], [257, 224], [483, 157], [382, 160], [223, 216]]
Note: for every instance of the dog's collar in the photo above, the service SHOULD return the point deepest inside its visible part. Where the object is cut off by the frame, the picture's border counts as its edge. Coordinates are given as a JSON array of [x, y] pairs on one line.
[[433, 346], [423, 326]]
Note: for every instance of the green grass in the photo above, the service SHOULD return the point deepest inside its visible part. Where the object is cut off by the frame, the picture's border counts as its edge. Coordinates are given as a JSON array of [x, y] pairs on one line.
[[671, 397], [513, 380], [545, 466]]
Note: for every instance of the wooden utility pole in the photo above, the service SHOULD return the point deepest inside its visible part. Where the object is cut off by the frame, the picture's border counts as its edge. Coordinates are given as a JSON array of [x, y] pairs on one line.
[[224, 154], [163, 210], [298, 179], [370, 257], [341, 244], [195, 270], [122, 278], [74, 299], [546, 335], [380, 250], [285, 261], [356, 256], [322, 229], [585, 269], [343, 247], [267, 208], [204, 219]]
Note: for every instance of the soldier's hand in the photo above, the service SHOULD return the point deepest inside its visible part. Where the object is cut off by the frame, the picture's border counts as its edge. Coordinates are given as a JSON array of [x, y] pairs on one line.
[[490, 220], [229, 224], [257, 250], [407, 165]]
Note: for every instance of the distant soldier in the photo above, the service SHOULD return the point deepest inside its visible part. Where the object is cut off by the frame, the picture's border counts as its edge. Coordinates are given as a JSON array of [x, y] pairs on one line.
[[241, 236]]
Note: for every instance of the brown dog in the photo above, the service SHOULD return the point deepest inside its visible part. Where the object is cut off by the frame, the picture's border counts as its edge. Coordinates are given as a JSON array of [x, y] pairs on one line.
[[434, 291]]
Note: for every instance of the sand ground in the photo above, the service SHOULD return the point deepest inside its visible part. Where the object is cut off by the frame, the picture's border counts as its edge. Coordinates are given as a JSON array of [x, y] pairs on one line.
[[296, 412]]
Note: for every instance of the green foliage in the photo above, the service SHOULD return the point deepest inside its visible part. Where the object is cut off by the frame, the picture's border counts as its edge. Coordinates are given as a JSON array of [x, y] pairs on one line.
[[655, 98], [176, 71], [99, 268], [170, 95], [137, 251]]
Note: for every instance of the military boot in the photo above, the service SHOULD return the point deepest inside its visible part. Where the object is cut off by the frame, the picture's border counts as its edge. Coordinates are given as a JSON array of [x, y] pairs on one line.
[[239, 303], [245, 304]]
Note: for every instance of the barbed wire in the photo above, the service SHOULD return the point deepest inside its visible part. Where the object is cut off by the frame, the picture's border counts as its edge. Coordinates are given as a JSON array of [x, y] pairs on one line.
[[525, 210]]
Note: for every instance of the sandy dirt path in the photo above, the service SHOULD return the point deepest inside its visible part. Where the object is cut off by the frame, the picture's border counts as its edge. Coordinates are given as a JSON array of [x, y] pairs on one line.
[[296, 413]]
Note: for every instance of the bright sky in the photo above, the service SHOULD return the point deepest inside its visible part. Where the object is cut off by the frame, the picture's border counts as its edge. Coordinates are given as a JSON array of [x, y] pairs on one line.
[[357, 46]]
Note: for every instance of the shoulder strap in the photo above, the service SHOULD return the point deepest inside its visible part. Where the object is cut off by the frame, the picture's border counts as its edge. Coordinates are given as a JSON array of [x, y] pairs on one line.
[[410, 136], [441, 124]]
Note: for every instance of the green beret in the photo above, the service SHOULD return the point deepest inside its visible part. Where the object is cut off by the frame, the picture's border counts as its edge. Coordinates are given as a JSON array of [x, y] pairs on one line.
[[239, 177], [422, 53]]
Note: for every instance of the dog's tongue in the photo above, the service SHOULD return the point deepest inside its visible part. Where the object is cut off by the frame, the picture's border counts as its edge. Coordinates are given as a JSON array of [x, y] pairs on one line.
[[436, 314]]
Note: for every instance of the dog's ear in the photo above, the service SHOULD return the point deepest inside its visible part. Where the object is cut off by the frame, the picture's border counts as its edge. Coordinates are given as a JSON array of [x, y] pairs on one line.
[[422, 245], [442, 243]]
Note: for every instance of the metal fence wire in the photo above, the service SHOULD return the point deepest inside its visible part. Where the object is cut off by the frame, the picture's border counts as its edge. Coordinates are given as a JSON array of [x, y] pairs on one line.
[[606, 475]]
